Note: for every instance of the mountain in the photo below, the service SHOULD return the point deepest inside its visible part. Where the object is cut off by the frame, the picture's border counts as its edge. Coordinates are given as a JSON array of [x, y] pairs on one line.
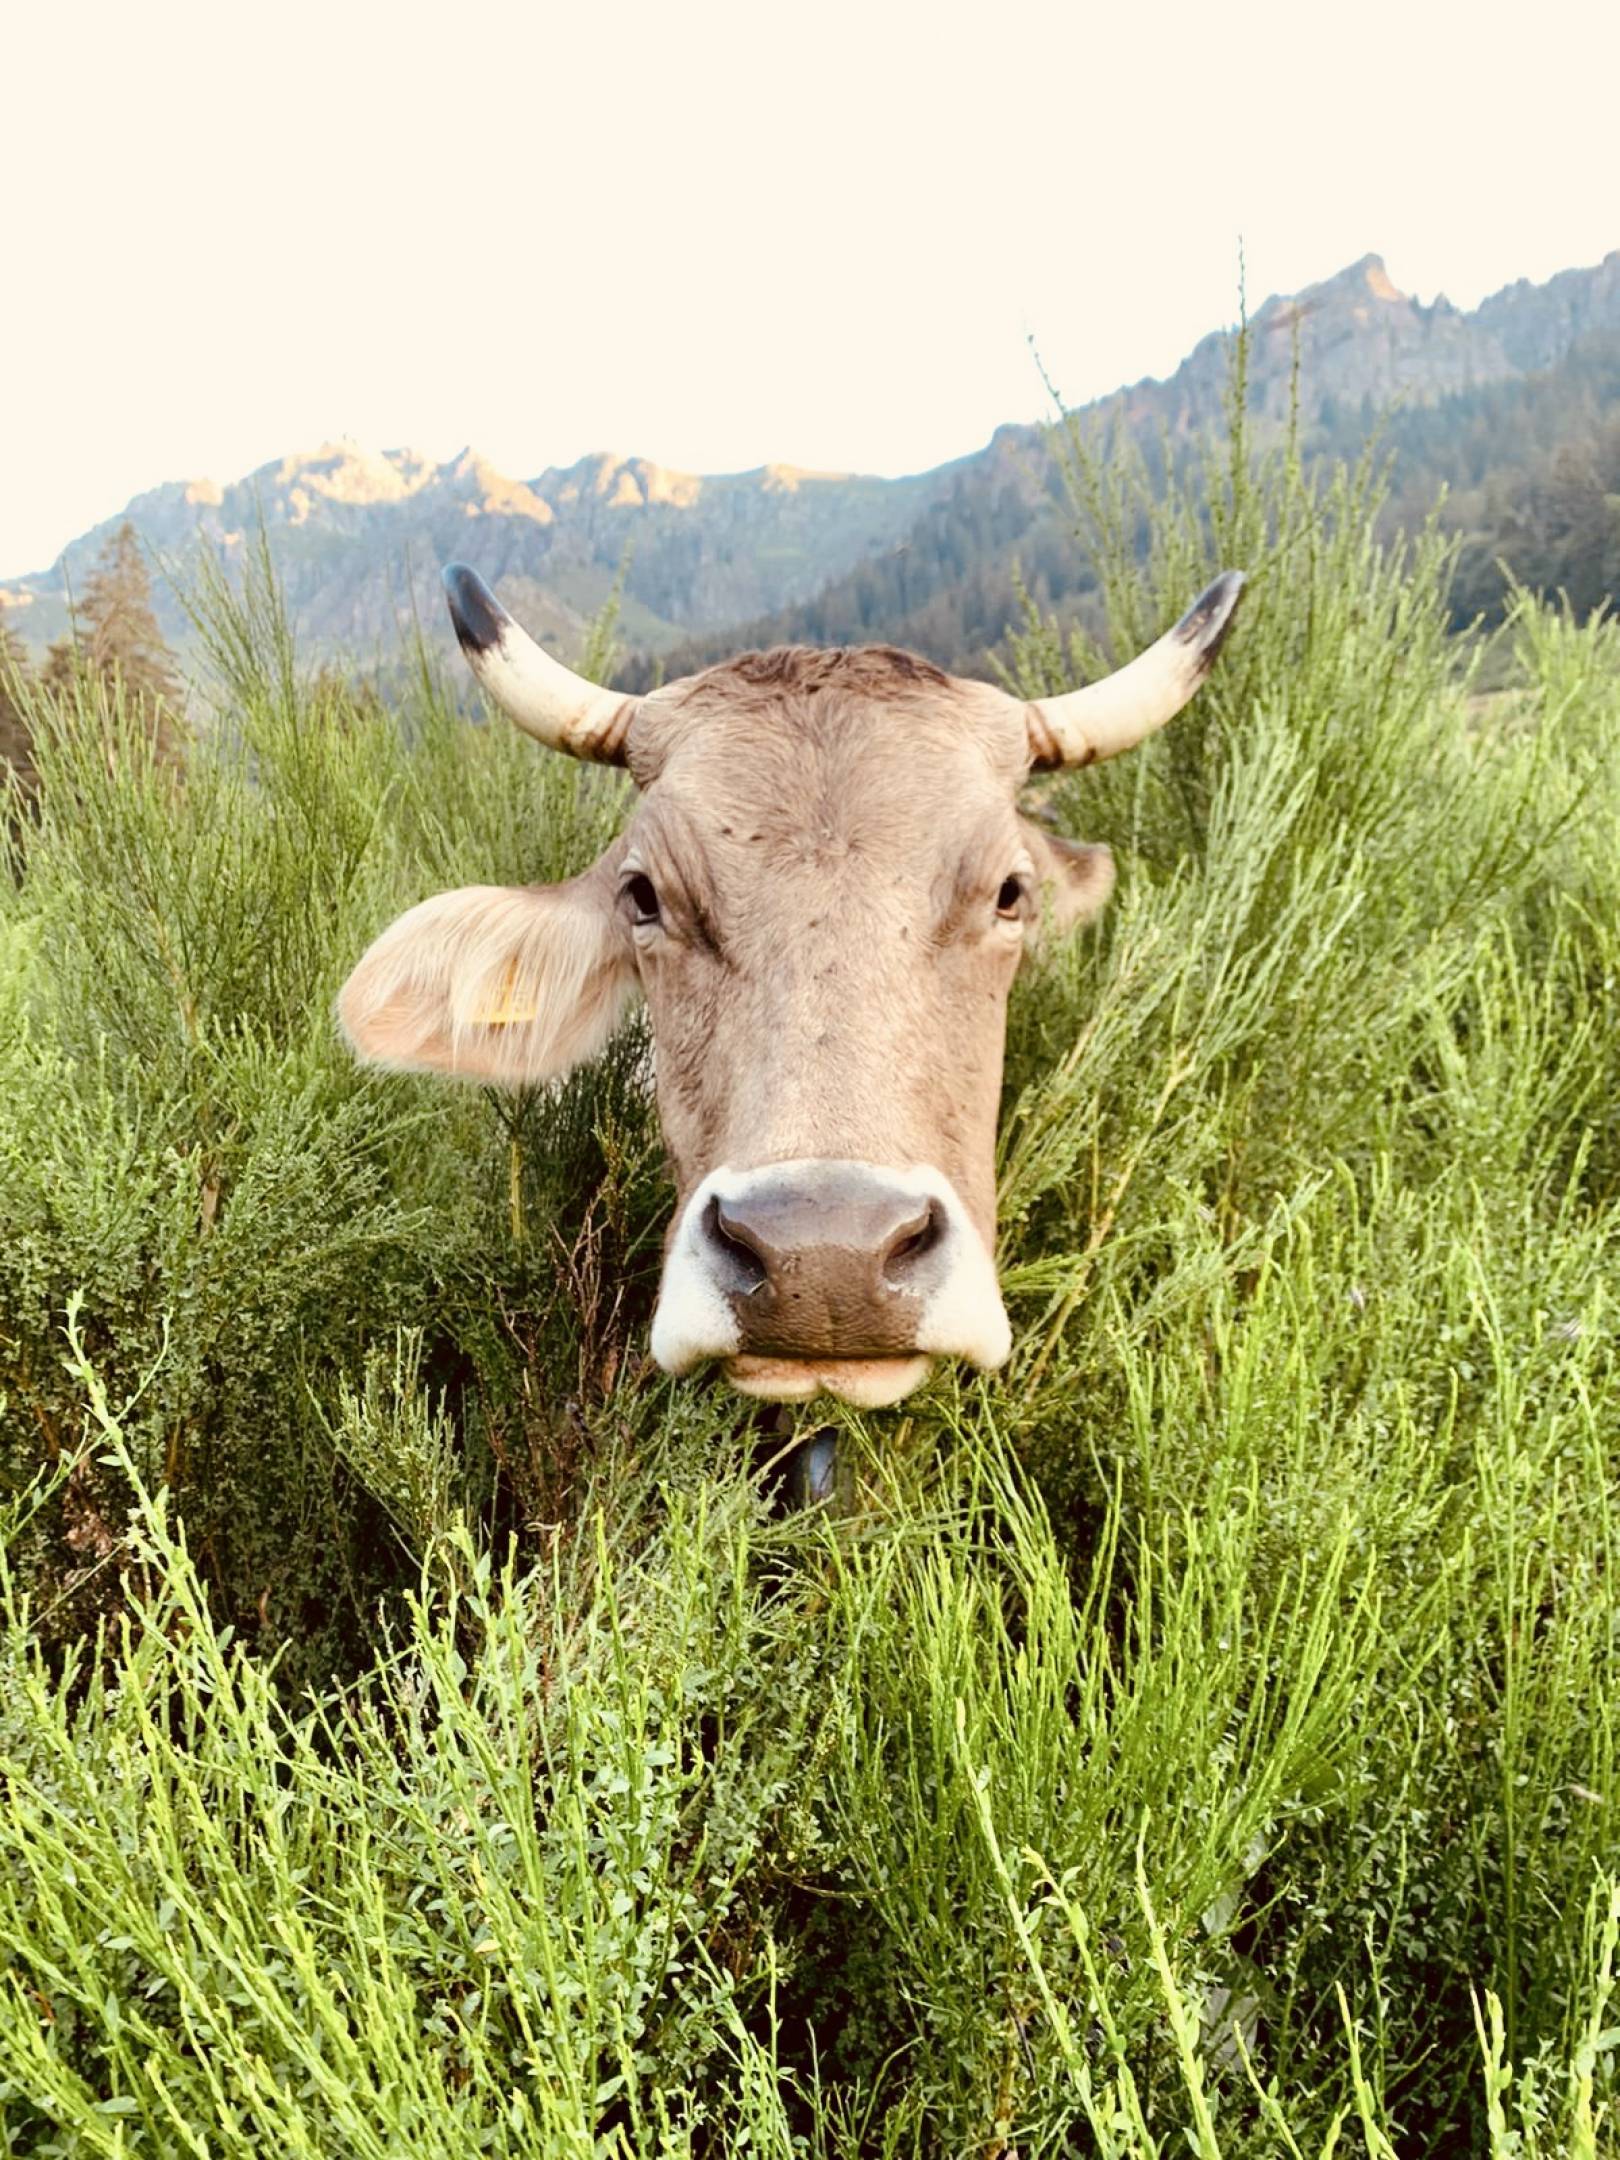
[[1513, 409], [928, 560], [1535, 324], [358, 537]]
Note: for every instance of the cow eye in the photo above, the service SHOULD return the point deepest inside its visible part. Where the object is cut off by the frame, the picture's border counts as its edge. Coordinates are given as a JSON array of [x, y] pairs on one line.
[[638, 890], [1010, 899]]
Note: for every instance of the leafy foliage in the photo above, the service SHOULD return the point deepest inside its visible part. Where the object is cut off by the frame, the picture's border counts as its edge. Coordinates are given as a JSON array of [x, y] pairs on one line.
[[418, 1732]]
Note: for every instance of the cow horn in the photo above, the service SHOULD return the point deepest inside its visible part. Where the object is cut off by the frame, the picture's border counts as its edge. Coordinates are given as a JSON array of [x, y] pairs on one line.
[[1126, 707], [547, 700]]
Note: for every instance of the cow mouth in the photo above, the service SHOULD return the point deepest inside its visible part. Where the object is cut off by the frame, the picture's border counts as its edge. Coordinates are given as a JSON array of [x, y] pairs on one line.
[[866, 1383]]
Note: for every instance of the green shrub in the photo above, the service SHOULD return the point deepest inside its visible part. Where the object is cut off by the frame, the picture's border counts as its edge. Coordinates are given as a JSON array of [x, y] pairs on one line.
[[417, 1733]]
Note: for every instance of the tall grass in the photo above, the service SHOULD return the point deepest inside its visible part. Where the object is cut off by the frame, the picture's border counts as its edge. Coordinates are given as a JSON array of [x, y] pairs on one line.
[[418, 1731]]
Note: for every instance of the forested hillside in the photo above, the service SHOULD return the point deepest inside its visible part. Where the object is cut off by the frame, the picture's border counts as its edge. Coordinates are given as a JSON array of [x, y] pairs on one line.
[[1508, 410], [1524, 472]]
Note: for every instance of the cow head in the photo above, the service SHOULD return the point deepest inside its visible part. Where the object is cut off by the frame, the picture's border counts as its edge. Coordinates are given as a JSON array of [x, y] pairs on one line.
[[823, 894]]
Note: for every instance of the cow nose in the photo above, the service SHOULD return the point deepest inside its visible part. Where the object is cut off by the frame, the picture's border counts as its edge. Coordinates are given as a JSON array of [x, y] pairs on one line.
[[834, 1266], [771, 1236], [824, 1272]]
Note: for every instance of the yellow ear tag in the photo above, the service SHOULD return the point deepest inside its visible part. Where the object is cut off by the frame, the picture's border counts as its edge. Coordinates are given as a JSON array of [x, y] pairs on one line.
[[506, 1008]]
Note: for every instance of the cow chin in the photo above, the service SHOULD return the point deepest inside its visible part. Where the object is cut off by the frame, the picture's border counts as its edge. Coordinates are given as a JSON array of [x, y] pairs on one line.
[[816, 1274]]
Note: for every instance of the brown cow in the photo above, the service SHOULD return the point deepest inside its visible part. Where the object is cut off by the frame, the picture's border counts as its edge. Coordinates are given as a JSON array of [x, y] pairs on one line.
[[823, 894]]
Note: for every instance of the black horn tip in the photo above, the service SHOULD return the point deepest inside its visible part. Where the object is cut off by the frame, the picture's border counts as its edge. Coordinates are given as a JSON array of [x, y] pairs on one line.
[[479, 618], [1209, 618]]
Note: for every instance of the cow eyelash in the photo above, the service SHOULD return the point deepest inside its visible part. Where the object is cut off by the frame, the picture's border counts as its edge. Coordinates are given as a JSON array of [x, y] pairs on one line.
[[643, 899]]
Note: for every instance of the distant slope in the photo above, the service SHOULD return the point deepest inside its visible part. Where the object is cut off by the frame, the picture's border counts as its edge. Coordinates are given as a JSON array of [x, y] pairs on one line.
[[1445, 397], [358, 537], [927, 560]]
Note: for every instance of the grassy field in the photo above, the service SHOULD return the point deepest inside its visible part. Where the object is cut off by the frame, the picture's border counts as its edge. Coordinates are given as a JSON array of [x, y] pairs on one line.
[[421, 1732]]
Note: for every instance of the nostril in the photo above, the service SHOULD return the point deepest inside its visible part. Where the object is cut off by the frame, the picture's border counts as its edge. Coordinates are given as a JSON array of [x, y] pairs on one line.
[[735, 1243], [913, 1243]]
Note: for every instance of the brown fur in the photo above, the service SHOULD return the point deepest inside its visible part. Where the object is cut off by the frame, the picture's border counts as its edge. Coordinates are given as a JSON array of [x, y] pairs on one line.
[[859, 670], [827, 833]]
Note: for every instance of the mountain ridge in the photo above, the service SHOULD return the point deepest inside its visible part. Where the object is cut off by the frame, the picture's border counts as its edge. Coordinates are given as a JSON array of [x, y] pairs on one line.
[[358, 533], [345, 519]]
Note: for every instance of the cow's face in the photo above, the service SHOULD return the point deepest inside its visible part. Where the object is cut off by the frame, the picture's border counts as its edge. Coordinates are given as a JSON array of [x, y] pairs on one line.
[[824, 894]]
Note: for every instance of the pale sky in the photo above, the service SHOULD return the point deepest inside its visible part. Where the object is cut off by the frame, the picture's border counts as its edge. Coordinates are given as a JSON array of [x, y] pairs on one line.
[[718, 236]]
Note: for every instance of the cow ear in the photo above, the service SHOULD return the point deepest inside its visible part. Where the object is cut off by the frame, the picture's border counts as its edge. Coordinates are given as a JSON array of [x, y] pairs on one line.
[[1076, 877], [503, 984]]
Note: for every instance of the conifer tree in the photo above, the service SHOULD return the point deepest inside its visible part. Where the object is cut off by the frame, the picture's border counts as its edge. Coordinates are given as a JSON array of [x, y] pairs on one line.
[[16, 745], [116, 639]]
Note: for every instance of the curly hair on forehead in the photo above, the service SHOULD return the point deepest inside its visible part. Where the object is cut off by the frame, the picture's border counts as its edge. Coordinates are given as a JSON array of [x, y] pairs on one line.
[[861, 670]]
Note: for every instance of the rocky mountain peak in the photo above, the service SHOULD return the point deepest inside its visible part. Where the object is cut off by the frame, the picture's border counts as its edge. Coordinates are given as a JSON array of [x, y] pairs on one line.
[[615, 482], [358, 532], [483, 490], [345, 472], [1359, 286], [1368, 278]]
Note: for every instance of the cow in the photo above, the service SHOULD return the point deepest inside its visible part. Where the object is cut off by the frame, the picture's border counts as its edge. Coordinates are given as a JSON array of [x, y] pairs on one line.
[[823, 894]]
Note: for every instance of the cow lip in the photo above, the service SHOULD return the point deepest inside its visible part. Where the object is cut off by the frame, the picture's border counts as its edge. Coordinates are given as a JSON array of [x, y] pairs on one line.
[[866, 1383]]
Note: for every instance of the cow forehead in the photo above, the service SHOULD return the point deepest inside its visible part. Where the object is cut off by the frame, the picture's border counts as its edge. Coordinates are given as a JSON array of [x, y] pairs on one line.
[[830, 733]]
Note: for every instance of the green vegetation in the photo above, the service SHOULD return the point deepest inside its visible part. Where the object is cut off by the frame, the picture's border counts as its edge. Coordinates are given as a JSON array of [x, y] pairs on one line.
[[14, 670], [1530, 474], [114, 642], [1524, 472], [420, 1735]]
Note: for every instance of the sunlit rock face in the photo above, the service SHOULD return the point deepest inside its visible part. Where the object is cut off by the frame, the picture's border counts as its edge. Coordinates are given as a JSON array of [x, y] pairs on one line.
[[358, 536], [782, 554]]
